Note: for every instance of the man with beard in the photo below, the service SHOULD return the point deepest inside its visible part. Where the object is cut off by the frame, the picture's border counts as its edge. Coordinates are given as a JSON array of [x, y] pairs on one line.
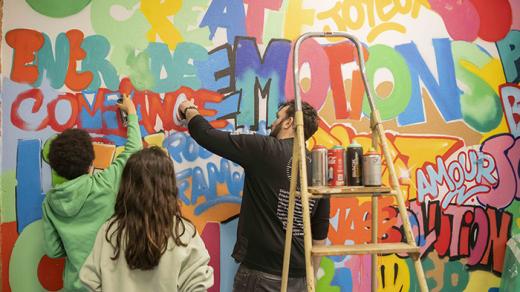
[[267, 162]]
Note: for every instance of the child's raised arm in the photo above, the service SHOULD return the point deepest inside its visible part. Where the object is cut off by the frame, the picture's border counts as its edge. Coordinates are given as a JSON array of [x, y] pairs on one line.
[[112, 175]]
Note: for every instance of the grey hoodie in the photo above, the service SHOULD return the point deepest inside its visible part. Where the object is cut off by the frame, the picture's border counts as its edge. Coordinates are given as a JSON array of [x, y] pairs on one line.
[[180, 268]]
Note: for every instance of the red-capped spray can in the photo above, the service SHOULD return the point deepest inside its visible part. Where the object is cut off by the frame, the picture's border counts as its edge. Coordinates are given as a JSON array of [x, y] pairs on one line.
[[354, 159], [319, 166], [336, 165], [372, 168]]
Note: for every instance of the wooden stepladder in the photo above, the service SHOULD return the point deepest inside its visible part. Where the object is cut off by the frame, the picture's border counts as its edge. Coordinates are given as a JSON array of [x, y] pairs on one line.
[[299, 167]]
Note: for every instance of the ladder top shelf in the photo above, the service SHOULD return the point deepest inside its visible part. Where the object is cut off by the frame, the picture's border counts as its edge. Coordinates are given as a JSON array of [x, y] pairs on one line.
[[346, 190]]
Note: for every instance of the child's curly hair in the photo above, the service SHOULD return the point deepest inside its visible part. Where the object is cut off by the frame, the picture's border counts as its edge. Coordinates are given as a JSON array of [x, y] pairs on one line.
[[71, 153]]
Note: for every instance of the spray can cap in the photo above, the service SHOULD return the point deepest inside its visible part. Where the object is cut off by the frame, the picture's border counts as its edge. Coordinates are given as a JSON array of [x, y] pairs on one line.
[[354, 144], [372, 151], [316, 147]]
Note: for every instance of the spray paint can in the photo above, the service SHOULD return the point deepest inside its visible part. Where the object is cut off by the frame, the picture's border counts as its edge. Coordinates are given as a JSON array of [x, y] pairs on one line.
[[178, 119], [123, 115], [354, 159], [336, 166], [372, 168], [319, 166]]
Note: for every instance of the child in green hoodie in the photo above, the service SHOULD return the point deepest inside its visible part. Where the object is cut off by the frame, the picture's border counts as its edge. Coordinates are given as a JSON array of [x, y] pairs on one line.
[[74, 210]]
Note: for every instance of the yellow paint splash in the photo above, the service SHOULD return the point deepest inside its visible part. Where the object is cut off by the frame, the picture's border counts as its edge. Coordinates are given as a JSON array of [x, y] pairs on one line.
[[157, 14]]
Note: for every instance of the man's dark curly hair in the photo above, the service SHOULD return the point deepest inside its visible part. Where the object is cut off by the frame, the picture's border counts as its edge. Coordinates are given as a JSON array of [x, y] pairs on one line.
[[71, 153], [310, 116]]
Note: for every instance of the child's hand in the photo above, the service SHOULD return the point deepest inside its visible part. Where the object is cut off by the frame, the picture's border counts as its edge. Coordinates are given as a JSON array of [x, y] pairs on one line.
[[127, 105]]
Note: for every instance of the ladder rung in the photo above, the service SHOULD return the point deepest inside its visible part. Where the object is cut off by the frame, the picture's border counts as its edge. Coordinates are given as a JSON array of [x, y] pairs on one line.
[[349, 191], [367, 248]]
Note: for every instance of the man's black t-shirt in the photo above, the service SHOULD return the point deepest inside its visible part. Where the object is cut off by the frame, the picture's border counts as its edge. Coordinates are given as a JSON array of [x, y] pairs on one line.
[[267, 162]]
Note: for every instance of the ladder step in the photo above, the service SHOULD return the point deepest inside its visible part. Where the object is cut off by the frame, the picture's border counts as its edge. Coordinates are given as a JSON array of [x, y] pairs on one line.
[[349, 191], [367, 248]]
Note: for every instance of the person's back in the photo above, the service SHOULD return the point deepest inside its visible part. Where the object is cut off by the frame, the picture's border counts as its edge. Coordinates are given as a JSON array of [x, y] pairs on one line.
[[147, 245], [263, 213], [74, 210], [180, 268], [264, 206]]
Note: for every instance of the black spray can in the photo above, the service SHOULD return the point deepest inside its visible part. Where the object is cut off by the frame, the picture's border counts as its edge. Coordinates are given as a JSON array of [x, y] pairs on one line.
[[122, 114], [354, 159]]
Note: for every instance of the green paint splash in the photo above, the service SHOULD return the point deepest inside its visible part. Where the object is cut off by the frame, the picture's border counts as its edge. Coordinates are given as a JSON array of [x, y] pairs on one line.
[[58, 8], [8, 213]]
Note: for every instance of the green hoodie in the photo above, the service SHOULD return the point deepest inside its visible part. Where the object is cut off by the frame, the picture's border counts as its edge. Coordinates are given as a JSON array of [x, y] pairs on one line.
[[74, 211]]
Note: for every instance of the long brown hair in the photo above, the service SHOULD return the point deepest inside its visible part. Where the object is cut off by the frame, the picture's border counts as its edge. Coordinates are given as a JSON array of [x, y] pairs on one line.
[[146, 210]]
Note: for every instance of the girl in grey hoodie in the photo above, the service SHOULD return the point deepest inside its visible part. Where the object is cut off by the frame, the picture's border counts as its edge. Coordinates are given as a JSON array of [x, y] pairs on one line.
[[147, 245]]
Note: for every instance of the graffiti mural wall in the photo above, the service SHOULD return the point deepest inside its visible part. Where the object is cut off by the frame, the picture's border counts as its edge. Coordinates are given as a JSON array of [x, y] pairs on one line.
[[445, 75]]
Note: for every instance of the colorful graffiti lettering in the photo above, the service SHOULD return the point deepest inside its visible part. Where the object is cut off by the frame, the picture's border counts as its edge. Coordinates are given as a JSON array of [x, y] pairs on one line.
[[444, 76], [469, 167], [255, 78], [96, 111], [474, 174], [378, 15], [475, 233], [510, 96], [509, 54]]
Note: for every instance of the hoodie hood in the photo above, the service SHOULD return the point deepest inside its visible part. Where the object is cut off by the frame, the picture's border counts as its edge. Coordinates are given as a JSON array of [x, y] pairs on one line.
[[67, 199]]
